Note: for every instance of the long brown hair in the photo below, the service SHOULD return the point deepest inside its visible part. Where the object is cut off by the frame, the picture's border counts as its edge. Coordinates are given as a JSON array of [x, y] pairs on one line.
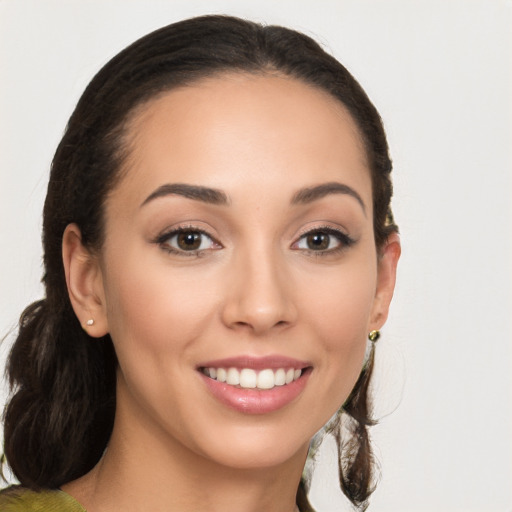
[[60, 416]]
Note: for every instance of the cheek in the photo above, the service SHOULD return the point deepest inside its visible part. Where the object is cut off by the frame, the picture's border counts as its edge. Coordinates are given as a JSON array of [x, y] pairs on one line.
[[340, 304], [155, 318], [156, 309], [339, 313]]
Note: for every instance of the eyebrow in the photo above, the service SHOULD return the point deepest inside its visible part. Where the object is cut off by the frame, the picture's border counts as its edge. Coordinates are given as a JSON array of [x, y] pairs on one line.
[[218, 197], [196, 192], [310, 194]]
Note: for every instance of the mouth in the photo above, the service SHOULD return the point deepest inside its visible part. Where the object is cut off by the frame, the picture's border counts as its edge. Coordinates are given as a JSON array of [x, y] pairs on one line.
[[249, 378], [256, 385]]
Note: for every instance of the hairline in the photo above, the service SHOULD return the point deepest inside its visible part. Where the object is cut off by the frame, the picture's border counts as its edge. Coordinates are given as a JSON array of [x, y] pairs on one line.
[[127, 133]]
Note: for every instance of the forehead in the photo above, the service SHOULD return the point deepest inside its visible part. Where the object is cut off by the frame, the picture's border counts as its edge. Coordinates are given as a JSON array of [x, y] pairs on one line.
[[238, 130]]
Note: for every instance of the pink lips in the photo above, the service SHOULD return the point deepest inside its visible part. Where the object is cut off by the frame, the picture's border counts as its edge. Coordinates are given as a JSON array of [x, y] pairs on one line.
[[256, 363], [256, 401]]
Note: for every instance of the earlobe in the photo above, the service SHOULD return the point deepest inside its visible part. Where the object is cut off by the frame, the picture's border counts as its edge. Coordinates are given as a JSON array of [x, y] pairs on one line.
[[84, 283], [386, 277]]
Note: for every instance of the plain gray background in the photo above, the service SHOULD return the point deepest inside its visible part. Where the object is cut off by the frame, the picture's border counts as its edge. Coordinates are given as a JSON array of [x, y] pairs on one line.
[[439, 71]]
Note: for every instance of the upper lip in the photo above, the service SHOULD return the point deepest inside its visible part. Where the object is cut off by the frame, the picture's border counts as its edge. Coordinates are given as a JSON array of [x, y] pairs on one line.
[[256, 363]]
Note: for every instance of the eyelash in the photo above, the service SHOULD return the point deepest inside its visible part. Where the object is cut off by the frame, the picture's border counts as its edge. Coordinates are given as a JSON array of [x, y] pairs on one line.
[[163, 240], [345, 241]]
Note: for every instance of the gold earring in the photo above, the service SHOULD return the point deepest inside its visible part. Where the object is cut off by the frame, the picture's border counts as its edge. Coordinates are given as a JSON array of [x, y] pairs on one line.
[[374, 336]]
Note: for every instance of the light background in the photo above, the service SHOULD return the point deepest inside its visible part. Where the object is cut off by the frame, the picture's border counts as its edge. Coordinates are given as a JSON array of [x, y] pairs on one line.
[[439, 71]]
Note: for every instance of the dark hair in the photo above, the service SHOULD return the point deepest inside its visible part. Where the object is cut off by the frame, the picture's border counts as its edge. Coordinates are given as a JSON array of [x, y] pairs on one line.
[[60, 417]]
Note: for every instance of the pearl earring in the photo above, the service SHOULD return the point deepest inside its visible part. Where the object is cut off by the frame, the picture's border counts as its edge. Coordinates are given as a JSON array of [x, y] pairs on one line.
[[89, 322]]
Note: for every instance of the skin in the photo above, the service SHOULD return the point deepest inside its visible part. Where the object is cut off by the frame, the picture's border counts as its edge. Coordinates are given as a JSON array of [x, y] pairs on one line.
[[254, 289]]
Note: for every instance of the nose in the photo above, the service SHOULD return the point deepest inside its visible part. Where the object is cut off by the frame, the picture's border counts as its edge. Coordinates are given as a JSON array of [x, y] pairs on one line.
[[259, 297]]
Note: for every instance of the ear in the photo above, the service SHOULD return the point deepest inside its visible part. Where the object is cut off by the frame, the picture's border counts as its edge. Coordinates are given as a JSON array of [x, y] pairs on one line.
[[386, 277], [84, 282]]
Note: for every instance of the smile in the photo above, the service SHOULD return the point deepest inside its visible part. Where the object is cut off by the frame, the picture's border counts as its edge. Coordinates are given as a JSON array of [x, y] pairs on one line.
[[256, 385], [248, 378]]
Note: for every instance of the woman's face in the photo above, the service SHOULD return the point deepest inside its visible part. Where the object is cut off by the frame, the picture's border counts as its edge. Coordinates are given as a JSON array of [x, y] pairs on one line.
[[239, 246]]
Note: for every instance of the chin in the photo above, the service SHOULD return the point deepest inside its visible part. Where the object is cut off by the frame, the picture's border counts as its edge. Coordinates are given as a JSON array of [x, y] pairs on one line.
[[252, 456], [256, 446]]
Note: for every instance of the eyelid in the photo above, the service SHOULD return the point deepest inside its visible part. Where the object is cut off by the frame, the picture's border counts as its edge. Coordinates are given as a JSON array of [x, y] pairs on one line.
[[327, 228], [345, 240], [169, 233]]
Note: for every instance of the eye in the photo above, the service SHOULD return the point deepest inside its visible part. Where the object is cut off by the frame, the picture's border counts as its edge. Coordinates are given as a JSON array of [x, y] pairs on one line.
[[190, 241], [324, 240]]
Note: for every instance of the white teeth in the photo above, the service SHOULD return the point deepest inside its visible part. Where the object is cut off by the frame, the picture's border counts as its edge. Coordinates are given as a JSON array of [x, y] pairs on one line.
[[266, 379], [221, 375], [233, 377], [251, 379], [248, 378], [280, 377]]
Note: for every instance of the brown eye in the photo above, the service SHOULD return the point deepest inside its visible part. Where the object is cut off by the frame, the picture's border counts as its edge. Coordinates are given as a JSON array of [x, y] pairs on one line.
[[323, 241], [189, 241], [318, 241]]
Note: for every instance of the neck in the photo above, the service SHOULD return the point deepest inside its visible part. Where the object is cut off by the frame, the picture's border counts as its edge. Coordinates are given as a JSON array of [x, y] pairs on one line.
[[144, 469]]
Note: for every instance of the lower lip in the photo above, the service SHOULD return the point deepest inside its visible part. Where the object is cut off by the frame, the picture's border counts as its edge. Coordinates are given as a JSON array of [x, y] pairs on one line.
[[256, 401]]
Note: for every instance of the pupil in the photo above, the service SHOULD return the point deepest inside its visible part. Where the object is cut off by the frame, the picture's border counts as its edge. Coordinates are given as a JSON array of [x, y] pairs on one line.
[[318, 241], [189, 241]]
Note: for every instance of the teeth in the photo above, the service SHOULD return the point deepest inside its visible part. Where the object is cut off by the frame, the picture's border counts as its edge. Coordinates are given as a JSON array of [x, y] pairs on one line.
[[221, 374], [233, 377], [266, 379], [280, 377], [251, 379], [248, 378]]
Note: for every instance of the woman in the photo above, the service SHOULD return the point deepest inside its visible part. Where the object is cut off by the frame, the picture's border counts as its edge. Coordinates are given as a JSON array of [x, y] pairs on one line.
[[218, 248]]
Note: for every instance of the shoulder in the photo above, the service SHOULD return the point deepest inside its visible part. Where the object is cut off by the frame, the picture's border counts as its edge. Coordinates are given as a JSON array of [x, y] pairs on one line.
[[20, 499]]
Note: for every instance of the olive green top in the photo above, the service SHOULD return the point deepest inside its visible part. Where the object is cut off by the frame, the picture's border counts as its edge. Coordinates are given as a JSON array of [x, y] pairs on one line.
[[19, 499]]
